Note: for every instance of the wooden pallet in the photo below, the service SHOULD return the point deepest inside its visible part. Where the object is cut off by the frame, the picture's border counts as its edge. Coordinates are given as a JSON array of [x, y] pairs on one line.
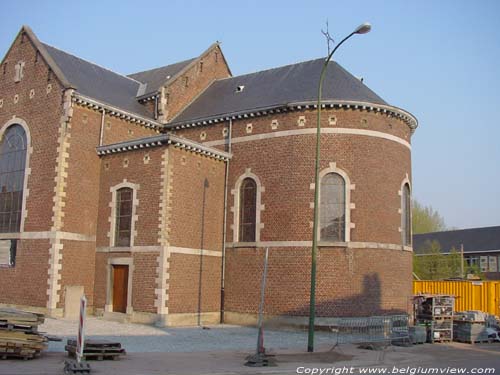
[[6, 353], [96, 349]]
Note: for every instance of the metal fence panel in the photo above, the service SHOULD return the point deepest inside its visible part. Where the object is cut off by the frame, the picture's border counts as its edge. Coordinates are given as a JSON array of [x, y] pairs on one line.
[[371, 329]]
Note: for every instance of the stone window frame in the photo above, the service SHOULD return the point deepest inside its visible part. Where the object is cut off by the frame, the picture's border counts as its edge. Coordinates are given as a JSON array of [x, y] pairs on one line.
[[112, 219], [235, 209], [406, 181], [349, 206], [27, 169], [122, 261]]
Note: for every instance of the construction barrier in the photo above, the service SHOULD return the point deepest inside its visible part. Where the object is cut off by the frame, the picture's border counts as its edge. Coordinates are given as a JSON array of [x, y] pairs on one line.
[[371, 329], [470, 295]]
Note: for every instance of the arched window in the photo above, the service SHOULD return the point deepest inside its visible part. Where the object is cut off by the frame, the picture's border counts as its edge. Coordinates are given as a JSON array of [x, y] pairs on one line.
[[123, 229], [13, 150], [332, 208], [248, 209], [406, 215]]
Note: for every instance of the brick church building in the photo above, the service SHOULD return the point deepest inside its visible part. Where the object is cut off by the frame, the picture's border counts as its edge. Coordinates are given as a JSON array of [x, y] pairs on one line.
[[156, 193]]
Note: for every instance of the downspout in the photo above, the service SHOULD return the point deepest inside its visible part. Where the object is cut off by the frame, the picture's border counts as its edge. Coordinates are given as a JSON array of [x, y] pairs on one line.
[[224, 232], [156, 107], [101, 134]]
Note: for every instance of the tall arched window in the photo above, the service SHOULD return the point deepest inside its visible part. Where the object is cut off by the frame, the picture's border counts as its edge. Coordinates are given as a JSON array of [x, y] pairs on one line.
[[123, 229], [406, 215], [13, 150], [248, 210], [332, 208]]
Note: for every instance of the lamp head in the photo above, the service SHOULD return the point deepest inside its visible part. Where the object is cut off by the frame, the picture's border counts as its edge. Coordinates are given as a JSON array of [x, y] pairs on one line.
[[363, 29]]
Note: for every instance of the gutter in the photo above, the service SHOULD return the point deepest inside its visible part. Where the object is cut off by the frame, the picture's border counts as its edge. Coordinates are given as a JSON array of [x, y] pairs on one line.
[[410, 120]]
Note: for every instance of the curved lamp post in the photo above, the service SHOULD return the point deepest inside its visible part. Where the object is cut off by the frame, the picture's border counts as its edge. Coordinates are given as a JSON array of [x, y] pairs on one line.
[[362, 29]]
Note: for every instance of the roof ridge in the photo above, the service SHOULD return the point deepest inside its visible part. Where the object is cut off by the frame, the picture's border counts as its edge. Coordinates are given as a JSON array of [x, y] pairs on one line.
[[275, 68], [457, 230], [160, 67], [91, 62]]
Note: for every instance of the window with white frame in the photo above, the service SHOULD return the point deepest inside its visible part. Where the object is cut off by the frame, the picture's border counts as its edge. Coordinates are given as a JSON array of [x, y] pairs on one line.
[[13, 149], [248, 210], [406, 215], [332, 213], [123, 218], [8, 253]]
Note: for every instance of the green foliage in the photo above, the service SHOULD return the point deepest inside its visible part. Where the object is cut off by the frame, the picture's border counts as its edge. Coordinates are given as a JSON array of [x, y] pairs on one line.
[[425, 219], [434, 265]]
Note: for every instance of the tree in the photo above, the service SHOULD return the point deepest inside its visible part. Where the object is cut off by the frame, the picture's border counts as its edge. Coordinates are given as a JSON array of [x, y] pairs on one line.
[[431, 264], [425, 219]]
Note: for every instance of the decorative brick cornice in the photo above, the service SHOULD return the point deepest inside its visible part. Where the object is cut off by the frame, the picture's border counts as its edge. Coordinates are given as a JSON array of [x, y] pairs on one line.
[[161, 140], [405, 116], [116, 112]]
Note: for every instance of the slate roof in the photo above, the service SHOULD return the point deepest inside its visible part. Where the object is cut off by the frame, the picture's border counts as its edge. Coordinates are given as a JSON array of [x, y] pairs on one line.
[[473, 239], [278, 86], [99, 83], [156, 78]]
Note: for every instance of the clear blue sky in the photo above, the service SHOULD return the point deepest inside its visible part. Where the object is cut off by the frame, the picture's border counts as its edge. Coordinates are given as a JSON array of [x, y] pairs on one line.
[[439, 60]]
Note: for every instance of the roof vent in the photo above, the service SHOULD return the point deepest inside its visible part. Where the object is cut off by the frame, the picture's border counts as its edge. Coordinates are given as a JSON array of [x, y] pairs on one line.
[[167, 77], [240, 88]]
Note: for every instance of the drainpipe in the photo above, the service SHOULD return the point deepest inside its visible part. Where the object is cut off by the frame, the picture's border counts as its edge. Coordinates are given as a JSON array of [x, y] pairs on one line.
[[101, 134], [156, 107], [226, 180]]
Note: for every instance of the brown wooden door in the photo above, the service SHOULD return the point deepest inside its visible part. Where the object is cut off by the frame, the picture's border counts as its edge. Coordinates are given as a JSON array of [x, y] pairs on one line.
[[120, 284]]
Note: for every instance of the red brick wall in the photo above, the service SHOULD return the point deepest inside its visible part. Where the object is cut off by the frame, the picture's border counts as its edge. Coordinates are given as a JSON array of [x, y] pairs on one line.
[[78, 267], [42, 114], [346, 278], [148, 177], [180, 95], [117, 130], [351, 282], [26, 283], [144, 282], [188, 175], [184, 283]]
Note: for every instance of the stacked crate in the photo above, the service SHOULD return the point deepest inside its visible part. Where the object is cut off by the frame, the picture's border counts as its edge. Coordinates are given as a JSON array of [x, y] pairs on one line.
[[436, 313]]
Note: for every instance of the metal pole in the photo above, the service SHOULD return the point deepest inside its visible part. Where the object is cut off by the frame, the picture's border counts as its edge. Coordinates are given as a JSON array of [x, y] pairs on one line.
[[312, 301], [462, 260], [260, 342], [205, 186]]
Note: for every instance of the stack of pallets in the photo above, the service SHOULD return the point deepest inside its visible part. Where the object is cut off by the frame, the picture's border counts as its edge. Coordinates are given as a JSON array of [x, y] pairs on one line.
[[96, 349], [19, 337], [470, 332], [435, 311]]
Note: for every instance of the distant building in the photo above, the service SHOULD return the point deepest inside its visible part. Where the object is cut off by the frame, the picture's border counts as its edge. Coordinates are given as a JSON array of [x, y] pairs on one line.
[[481, 247]]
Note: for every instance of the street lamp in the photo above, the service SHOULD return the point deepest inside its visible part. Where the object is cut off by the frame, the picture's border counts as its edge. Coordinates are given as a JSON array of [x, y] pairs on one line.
[[362, 29]]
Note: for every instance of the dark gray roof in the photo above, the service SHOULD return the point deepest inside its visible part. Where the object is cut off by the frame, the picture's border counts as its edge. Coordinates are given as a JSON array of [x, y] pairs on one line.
[[473, 239], [279, 86], [156, 78], [99, 83]]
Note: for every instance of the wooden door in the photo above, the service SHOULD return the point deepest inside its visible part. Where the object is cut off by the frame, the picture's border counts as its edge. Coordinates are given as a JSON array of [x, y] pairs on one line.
[[120, 286]]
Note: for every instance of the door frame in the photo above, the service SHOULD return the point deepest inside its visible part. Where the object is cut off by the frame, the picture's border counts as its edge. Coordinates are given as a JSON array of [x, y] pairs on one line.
[[129, 261]]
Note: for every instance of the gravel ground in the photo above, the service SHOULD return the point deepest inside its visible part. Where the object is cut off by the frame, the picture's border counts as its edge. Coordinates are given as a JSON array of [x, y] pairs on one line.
[[140, 338]]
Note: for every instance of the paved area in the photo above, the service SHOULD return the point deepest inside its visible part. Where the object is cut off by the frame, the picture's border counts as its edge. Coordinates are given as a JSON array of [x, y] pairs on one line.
[[346, 359], [222, 350], [140, 338]]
